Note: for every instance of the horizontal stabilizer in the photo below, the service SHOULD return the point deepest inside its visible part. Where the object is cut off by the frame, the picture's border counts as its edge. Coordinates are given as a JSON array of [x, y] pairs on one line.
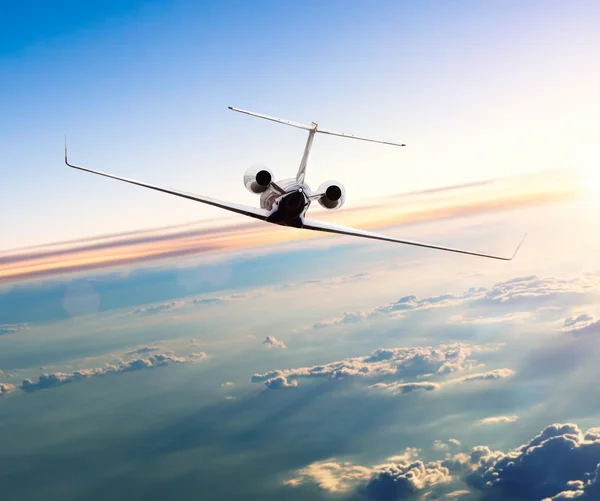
[[313, 127]]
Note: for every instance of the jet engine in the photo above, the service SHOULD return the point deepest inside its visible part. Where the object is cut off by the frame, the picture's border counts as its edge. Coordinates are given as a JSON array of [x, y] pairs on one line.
[[333, 195], [258, 178]]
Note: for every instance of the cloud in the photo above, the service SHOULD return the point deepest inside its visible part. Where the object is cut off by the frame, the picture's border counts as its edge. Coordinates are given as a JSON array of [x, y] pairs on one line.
[[227, 384], [582, 325], [561, 462], [528, 292], [214, 236], [498, 419], [396, 363], [142, 350], [182, 303], [60, 378], [273, 342], [280, 383], [331, 475], [158, 308], [401, 388], [6, 388], [400, 478]]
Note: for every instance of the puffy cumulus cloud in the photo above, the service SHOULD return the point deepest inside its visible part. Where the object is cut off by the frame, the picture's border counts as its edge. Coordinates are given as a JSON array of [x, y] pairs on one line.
[[273, 342], [398, 363], [498, 419], [582, 325], [401, 477], [6, 388], [561, 462], [331, 475], [280, 383], [227, 384], [530, 291], [404, 479], [45, 381]]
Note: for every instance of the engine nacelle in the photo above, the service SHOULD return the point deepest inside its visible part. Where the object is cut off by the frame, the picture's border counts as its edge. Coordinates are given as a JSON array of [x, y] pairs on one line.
[[334, 195], [258, 178]]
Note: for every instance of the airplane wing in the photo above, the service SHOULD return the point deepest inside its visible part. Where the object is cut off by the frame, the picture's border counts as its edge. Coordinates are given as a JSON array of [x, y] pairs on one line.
[[237, 208], [344, 230]]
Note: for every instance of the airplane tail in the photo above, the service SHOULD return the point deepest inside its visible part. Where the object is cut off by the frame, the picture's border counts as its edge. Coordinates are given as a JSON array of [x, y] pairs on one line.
[[313, 129]]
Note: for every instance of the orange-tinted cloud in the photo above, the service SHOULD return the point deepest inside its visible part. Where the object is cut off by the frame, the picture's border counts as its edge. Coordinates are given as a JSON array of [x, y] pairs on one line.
[[230, 234]]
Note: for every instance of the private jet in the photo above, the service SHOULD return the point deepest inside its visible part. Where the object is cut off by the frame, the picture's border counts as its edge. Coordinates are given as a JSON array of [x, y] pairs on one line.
[[285, 202]]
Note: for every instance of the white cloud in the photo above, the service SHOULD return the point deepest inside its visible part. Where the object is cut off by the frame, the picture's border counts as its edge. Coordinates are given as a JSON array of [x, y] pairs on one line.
[[59, 378], [498, 419], [401, 477], [280, 383], [582, 325], [332, 475], [273, 342], [530, 292], [227, 384], [560, 463], [6, 388], [390, 362]]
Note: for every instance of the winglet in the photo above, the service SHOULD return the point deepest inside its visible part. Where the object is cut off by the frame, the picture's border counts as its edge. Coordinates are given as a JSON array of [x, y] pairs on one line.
[[518, 247]]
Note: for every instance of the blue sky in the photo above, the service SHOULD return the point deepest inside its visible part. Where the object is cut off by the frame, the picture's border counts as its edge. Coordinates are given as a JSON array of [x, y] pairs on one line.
[[322, 369], [142, 88]]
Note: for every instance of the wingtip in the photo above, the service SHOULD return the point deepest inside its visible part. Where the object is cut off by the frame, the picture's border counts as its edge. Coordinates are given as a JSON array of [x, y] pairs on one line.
[[518, 247]]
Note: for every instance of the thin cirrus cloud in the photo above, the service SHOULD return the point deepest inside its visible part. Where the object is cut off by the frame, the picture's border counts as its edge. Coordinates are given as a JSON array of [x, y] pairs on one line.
[[213, 236]]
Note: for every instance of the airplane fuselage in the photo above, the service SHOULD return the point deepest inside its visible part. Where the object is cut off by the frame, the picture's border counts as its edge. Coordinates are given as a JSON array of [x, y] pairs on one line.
[[287, 209]]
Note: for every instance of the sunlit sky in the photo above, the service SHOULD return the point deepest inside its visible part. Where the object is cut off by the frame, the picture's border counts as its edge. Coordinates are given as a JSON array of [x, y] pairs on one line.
[[477, 90]]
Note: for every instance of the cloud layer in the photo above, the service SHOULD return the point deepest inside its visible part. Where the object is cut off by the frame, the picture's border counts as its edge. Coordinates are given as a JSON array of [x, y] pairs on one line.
[[526, 292]]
